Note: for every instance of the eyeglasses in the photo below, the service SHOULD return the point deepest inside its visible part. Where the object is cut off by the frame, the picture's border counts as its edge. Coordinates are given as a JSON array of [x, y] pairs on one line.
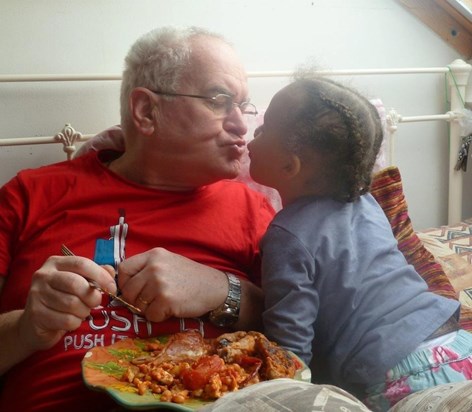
[[222, 104]]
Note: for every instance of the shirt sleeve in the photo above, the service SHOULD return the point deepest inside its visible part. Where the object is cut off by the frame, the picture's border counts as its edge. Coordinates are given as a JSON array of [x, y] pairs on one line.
[[291, 298], [13, 206]]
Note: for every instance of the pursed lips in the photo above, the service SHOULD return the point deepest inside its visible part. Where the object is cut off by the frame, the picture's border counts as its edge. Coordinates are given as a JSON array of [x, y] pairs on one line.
[[239, 146]]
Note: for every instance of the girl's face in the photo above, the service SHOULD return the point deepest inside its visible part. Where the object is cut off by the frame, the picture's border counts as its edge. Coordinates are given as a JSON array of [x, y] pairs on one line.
[[268, 155]]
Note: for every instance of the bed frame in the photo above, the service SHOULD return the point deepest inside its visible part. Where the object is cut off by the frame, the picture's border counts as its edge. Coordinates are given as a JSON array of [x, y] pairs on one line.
[[457, 74]]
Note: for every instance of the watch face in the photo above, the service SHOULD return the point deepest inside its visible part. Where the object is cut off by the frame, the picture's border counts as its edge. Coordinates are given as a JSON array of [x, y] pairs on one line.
[[227, 321], [221, 318]]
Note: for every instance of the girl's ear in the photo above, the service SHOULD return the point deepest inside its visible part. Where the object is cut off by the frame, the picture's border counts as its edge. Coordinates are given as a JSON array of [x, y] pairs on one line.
[[292, 166], [142, 104]]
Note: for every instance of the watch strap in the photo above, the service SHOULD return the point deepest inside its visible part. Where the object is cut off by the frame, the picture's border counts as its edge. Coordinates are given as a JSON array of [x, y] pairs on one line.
[[227, 313]]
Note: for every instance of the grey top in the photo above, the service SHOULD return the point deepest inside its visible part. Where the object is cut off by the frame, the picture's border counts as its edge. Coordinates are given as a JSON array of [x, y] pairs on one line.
[[333, 272]]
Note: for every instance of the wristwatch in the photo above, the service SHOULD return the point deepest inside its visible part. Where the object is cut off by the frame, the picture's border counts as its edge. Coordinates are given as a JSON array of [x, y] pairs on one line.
[[227, 314]]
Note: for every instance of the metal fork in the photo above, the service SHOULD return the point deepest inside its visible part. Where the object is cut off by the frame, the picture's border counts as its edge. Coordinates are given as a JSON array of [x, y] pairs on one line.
[[67, 252]]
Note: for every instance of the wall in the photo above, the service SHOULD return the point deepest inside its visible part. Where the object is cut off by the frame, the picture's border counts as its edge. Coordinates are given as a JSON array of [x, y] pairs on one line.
[[92, 36]]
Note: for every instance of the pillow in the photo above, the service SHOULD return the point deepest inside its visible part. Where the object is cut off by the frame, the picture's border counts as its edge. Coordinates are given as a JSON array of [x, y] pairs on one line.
[[287, 395], [449, 397], [456, 239], [457, 268], [388, 191]]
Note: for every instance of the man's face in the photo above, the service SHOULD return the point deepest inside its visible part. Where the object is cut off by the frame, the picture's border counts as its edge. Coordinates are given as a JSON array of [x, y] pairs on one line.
[[205, 146]]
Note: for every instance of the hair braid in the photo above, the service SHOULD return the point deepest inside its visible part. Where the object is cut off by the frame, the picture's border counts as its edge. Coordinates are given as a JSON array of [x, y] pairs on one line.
[[350, 176], [342, 125]]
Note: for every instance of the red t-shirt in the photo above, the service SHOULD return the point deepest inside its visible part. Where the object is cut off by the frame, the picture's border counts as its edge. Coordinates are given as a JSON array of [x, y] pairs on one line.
[[75, 203]]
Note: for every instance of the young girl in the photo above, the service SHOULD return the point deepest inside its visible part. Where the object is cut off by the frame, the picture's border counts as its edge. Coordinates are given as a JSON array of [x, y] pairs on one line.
[[332, 272]]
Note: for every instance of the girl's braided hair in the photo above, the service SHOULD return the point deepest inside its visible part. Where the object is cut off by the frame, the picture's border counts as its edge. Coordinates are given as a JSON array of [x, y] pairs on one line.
[[341, 124]]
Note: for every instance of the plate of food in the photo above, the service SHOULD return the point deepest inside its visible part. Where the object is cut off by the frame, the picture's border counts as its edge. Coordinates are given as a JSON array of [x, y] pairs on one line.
[[185, 371]]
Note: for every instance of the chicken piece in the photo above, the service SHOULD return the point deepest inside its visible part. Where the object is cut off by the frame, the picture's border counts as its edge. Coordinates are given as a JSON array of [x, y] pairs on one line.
[[232, 346], [277, 362], [244, 347]]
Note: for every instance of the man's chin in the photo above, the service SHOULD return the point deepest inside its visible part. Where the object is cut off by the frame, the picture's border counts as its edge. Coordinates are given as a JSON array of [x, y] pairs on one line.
[[234, 170]]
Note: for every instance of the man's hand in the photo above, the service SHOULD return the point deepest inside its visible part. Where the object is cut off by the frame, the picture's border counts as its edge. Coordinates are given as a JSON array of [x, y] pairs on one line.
[[163, 284]]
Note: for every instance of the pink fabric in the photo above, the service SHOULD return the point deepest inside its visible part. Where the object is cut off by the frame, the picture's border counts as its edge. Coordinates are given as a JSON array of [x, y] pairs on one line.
[[111, 138], [382, 158]]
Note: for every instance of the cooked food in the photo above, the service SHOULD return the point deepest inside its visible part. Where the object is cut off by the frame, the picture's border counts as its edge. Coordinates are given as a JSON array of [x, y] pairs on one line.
[[188, 366]]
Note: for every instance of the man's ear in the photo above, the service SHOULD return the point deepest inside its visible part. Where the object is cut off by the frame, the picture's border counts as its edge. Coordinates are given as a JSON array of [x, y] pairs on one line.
[[292, 166], [142, 107]]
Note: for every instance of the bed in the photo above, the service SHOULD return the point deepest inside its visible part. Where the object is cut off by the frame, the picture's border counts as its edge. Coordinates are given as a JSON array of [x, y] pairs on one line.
[[442, 255]]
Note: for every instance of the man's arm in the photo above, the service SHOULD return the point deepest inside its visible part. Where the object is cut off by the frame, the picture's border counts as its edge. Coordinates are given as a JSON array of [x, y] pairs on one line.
[[12, 351]]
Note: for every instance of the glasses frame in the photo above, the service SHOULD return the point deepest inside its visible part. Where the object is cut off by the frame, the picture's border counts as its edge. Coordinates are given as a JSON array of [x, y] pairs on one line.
[[228, 106]]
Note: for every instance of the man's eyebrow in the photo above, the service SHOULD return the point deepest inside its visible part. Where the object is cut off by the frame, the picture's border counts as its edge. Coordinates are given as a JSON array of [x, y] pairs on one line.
[[220, 90]]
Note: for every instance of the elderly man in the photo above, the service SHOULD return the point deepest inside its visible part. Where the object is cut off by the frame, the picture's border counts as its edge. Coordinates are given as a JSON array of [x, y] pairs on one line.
[[180, 240]]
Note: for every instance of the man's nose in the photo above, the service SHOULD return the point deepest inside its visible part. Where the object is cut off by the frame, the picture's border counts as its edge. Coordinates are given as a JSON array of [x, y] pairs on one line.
[[236, 122]]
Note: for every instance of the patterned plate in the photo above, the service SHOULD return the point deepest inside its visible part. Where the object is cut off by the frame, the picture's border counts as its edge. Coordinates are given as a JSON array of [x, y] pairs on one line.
[[103, 366]]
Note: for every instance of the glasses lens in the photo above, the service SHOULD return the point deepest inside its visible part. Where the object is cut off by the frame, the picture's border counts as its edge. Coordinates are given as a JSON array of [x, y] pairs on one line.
[[222, 104], [248, 108]]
